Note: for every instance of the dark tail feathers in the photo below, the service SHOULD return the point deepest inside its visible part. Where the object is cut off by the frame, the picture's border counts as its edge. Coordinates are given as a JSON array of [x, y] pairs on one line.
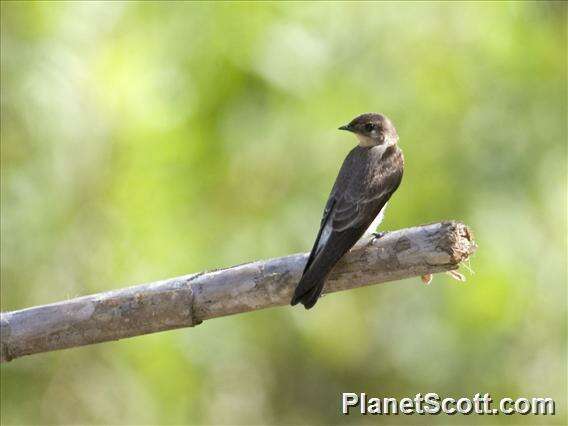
[[308, 291]]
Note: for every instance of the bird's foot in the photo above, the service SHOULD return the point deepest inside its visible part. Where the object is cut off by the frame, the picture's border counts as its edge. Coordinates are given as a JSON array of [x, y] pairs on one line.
[[376, 235]]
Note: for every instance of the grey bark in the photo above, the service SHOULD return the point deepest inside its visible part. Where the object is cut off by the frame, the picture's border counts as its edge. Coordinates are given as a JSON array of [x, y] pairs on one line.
[[191, 299]]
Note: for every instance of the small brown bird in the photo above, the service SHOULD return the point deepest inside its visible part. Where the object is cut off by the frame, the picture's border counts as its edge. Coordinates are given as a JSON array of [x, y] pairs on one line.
[[370, 174]]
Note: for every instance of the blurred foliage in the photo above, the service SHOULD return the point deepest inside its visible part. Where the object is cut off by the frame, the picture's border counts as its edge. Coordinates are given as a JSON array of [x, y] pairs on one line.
[[146, 140]]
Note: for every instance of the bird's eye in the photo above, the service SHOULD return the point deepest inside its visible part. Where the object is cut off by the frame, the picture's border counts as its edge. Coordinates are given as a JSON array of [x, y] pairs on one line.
[[369, 127]]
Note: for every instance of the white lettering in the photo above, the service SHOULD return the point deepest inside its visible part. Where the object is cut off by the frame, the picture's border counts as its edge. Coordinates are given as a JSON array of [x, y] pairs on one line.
[[349, 400]]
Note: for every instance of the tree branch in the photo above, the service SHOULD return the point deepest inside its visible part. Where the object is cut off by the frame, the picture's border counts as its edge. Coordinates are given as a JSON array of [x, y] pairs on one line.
[[189, 300]]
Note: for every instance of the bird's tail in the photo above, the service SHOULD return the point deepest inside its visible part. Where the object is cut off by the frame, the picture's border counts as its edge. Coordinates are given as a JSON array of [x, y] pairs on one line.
[[308, 290]]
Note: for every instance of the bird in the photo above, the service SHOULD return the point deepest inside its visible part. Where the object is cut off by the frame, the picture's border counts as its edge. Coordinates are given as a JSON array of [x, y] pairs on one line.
[[369, 176]]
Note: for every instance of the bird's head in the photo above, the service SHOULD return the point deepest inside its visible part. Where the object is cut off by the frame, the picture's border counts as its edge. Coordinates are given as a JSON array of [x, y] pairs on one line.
[[372, 129]]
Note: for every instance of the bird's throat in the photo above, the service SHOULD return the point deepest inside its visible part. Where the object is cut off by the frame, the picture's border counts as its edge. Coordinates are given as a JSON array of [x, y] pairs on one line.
[[365, 141]]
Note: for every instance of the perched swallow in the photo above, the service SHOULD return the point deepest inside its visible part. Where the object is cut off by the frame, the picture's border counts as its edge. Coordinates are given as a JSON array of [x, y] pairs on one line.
[[370, 174]]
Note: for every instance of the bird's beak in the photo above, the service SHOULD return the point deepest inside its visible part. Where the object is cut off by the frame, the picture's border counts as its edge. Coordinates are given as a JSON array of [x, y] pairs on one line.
[[346, 127]]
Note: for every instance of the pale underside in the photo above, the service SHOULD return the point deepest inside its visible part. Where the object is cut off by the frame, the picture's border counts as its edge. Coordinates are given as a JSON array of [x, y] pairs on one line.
[[377, 221]]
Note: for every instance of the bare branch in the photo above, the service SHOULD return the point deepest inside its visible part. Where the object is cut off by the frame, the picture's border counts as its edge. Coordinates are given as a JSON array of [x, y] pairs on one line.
[[189, 300]]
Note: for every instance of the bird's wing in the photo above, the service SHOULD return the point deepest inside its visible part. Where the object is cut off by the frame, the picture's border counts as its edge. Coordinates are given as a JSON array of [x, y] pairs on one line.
[[359, 210], [341, 182], [364, 198]]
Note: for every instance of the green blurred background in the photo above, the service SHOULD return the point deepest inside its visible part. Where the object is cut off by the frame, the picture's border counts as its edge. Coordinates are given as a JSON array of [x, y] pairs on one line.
[[147, 140]]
